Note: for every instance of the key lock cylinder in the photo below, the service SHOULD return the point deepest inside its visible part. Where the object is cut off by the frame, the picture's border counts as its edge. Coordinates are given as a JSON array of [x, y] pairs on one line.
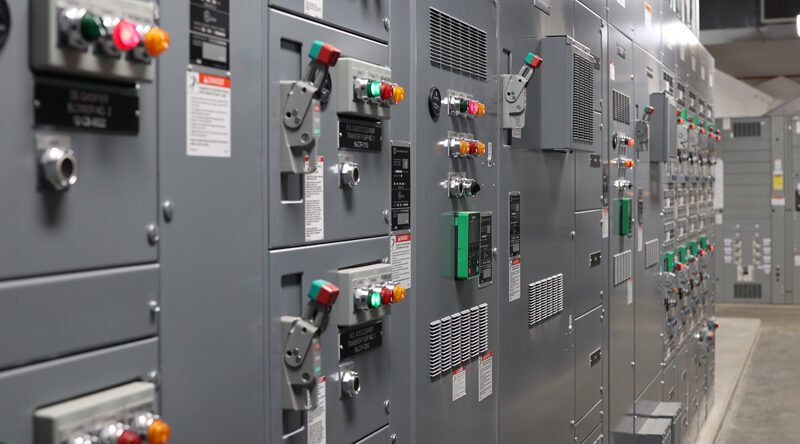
[[301, 107], [302, 352]]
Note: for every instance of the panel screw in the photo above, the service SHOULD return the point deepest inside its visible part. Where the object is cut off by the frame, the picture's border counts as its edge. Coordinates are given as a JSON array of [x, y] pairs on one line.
[[572, 234], [154, 307], [386, 23], [152, 234], [386, 216], [153, 377], [169, 210], [393, 438], [387, 406]]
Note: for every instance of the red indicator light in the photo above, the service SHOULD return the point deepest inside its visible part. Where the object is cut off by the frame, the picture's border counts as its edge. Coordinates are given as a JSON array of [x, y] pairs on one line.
[[719, 138], [129, 437], [692, 126], [387, 295], [680, 121], [631, 142], [473, 147], [702, 130], [387, 91], [472, 107], [125, 35]]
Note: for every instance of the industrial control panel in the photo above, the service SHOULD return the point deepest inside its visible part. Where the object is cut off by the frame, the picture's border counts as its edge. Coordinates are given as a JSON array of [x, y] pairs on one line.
[[365, 222]]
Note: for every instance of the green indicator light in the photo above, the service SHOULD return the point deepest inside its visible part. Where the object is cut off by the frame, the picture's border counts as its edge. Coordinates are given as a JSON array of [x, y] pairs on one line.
[[373, 89], [463, 106], [92, 27], [375, 299]]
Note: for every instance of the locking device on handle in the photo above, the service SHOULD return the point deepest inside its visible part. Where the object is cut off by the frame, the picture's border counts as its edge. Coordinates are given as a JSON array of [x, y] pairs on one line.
[[301, 109], [302, 353], [515, 93]]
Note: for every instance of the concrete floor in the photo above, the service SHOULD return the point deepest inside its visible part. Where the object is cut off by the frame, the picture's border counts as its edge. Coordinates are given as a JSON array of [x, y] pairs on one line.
[[766, 406]]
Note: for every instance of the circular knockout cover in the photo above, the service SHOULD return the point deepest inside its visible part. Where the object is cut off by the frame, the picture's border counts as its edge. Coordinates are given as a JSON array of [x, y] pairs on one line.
[[5, 22]]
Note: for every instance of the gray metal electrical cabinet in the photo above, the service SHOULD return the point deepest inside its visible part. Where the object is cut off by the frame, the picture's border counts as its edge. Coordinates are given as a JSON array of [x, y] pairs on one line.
[[621, 225], [451, 70], [371, 19], [307, 208]]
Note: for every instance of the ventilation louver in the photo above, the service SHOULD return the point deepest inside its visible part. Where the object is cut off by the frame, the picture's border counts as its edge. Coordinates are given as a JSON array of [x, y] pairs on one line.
[[582, 99], [545, 299], [457, 339], [621, 107], [458, 46]]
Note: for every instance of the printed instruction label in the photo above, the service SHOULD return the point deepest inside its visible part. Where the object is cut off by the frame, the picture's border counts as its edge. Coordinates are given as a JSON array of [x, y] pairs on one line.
[[612, 71], [629, 286], [485, 376], [718, 218], [401, 258], [313, 8], [459, 383], [514, 278], [797, 260], [208, 115], [621, 3], [317, 428], [604, 225], [639, 237], [314, 200], [648, 15]]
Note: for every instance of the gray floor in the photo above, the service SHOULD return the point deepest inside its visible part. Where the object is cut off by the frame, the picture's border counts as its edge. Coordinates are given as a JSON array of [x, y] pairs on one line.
[[766, 406]]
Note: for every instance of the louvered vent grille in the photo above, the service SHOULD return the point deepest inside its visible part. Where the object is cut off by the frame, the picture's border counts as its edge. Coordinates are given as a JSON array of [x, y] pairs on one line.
[[651, 253], [582, 99], [458, 46], [747, 129], [623, 267], [456, 339], [622, 107], [749, 290], [545, 299]]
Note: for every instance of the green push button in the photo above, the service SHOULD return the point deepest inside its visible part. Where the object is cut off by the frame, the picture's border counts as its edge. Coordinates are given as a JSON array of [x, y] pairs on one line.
[[92, 27]]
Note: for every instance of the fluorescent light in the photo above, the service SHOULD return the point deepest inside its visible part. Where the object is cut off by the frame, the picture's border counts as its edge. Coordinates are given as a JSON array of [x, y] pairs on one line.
[[798, 25]]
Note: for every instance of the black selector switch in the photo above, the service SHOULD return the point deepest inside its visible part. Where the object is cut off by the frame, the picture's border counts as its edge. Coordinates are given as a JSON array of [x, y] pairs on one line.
[[5, 22]]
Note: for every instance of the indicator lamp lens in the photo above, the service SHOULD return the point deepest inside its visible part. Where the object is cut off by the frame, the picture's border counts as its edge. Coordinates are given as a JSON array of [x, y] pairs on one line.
[[631, 142], [691, 118], [649, 110], [129, 437], [481, 148], [159, 432], [373, 89], [374, 299], [473, 147], [387, 91], [156, 41], [125, 35], [481, 109], [679, 112], [92, 27], [702, 130], [399, 94], [463, 105], [719, 138], [386, 296], [472, 107], [680, 120], [398, 294], [463, 147]]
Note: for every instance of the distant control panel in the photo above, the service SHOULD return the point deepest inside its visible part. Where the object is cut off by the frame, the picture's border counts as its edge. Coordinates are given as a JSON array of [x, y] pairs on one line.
[[107, 39], [121, 415]]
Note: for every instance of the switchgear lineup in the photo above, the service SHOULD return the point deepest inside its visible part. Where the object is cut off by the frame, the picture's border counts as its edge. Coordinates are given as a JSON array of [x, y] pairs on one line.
[[327, 221]]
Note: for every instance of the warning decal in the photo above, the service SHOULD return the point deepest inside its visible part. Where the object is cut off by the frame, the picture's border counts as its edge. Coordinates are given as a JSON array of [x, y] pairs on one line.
[[208, 115]]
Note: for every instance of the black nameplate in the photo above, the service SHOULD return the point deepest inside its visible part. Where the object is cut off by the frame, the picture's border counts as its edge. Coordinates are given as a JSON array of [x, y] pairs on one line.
[[360, 135], [595, 357], [595, 259], [86, 107], [354, 341]]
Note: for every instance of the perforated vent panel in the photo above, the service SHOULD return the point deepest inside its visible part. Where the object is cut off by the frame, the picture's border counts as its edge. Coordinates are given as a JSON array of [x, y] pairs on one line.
[[458, 46], [582, 99], [457, 339], [622, 107], [545, 299], [623, 267], [747, 129], [651, 248], [747, 290]]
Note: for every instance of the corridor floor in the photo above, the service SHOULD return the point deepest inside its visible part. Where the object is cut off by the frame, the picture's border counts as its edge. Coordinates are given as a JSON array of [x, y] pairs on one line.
[[766, 405]]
